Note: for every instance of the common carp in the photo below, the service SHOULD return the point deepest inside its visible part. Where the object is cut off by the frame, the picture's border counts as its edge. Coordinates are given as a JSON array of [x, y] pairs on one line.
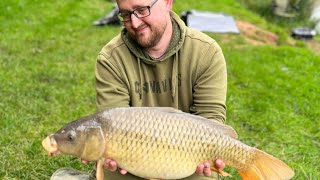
[[174, 142]]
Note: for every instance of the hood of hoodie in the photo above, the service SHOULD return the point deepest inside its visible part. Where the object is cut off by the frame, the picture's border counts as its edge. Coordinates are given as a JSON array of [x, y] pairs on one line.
[[176, 42]]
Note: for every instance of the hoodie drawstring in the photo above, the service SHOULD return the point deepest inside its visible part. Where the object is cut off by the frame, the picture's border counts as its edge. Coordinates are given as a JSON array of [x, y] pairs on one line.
[[174, 76], [140, 76]]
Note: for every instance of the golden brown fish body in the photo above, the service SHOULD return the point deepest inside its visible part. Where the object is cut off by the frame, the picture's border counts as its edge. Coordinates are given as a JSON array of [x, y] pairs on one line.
[[161, 143]]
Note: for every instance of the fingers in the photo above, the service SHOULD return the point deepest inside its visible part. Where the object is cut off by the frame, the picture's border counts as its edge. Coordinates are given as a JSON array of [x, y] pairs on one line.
[[84, 161], [204, 169], [110, 165], [199, 170], [122, 171], [219, 164]]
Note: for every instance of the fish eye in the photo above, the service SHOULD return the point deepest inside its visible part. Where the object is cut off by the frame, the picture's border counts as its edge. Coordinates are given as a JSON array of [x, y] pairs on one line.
[[70, 137]]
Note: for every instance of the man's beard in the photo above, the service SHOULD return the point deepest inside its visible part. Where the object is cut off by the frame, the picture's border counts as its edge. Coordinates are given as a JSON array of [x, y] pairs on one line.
[[153, 38]]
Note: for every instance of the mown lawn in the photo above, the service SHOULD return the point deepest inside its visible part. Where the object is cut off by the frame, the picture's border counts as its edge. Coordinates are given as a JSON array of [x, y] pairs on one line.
[[47, 58]]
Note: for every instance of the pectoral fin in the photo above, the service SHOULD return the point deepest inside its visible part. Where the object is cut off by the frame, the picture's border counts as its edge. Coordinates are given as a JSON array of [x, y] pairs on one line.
[[99, 172]]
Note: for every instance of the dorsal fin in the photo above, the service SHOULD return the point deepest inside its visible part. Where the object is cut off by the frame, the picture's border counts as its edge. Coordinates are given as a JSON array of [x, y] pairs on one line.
[[164, 109]]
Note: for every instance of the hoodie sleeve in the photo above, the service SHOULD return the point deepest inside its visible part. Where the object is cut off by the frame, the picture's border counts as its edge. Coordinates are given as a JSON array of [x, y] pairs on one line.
[[211, 85], [110, 88]]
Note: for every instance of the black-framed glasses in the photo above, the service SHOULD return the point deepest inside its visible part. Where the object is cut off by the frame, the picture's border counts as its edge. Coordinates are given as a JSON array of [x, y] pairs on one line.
[[140, 12]]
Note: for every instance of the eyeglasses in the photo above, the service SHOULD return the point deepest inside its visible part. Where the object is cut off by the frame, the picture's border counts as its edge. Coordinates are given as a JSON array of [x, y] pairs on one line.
[[140, 12]]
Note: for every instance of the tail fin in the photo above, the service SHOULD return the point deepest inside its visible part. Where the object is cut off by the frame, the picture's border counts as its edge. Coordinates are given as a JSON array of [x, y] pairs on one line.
[[267, 167]]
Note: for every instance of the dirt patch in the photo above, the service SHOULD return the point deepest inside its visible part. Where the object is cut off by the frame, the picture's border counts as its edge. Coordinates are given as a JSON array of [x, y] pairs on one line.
[[255, 35], [314, 45]]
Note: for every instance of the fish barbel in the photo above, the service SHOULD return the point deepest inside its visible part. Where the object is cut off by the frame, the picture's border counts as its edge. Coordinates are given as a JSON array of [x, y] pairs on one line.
[[174, 142]]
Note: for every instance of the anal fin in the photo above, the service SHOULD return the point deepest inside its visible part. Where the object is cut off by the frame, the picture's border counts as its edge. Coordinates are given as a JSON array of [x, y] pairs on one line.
[[221, 172]]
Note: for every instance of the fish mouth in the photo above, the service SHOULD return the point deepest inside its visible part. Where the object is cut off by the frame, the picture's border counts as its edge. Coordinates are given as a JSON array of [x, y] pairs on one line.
[[50, 145], [54, 153]]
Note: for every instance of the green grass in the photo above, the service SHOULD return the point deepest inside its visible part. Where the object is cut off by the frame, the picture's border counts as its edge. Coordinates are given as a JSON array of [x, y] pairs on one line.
[[47, 58]]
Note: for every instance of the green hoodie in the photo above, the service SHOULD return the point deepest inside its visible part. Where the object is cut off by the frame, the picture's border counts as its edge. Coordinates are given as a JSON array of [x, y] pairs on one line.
[[190, 76]]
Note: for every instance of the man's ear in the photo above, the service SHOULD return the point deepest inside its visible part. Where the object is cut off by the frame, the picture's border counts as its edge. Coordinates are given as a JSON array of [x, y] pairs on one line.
[[169, 4]]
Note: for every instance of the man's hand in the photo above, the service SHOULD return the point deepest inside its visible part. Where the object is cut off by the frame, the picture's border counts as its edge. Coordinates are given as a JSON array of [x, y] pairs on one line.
[[111, 165], [204, 168]]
